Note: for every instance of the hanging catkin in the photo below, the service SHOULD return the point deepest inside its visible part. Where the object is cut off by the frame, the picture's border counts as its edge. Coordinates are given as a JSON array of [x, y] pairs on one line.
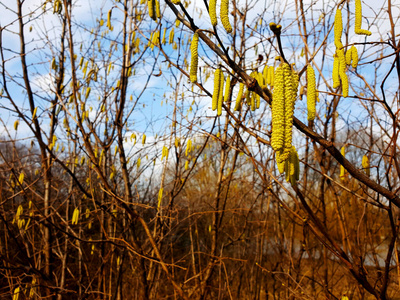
[[335, 71], [284, 97], [278, 110], [212, 10], [342, 72], [195, 58], [220, 94], [217, 75], [239, 97], [311, 93], [365, 164], [338, 28], [224, 16], [358, 20]]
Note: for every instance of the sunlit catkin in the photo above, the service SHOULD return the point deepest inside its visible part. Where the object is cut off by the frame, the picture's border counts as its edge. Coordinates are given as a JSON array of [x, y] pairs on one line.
[[311, 93], [239, 97], [144, 139], [271, 71], [224, 16], [171, 36], [188, 147], [195, 58], [220, 94], [354, 57], [108, 22], [151, 8], [280, 164], [342, 170], [16, 293], [365, 164], [338, 28], [291, 166], [157, 7], [212, 10], [75, 216], [335, 72], [160, 194], [227, 88], [342, 72], [164, 38], [348, 57], [358, 20], [278, 110], [253, 101], [217, 75], [291, 86]]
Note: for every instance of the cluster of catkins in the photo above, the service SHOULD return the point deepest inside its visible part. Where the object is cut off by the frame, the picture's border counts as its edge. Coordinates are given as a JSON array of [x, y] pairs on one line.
[[286, 82], [341, 60]]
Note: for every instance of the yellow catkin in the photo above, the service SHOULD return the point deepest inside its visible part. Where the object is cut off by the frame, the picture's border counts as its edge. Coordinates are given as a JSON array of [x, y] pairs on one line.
[[108, 22], [144, 139], [280, 163], [16, 124], [157, 7], [291, 86], [171, 36], [188, 147], [160, 194], [265, 75], [16, 293], [357, 27], [271, 71], [165, 152], [21, 178], [75, 216], [253, 101], [164, 38], [342, 72], [176, 2], [239, 97], [258, 100], [224, 15], [338, 28], [212, 10], [348, 56], [278, 110], [217, 77], [227, 88], [195, 58], [311, 93], [354, 57], [247, 97], [220, 94], [291, 166], [87, 92], [365, 164], [342, 170], [151, 8], [335, 72]]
